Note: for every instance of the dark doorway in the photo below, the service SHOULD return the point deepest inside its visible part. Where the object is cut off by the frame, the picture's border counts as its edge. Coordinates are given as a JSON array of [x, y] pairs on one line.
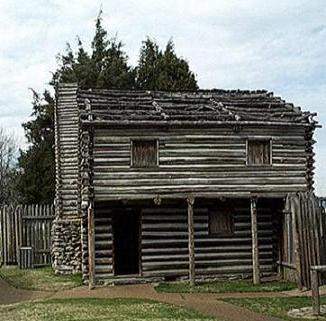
[[126, 241]]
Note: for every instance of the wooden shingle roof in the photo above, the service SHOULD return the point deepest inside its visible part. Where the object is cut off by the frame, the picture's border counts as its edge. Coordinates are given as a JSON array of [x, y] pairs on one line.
[[204, 106]]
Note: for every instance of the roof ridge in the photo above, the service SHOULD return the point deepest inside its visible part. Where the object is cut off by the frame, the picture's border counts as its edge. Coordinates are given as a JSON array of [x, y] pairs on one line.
[[198, 91]]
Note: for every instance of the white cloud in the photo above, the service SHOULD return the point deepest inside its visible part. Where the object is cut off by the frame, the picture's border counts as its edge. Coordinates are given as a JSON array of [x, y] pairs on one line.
[[277, 45]]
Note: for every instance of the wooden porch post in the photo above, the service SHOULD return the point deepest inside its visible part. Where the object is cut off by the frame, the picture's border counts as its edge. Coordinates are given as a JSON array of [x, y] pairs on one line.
[[254, 237], [91, 247], [191, 242]]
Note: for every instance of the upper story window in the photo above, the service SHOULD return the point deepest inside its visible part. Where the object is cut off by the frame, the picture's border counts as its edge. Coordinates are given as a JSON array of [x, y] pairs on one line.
[[144, 153], [259, 152]]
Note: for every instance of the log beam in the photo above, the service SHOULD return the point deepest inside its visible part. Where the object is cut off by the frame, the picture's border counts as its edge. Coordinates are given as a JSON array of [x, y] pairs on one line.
[[191, 242], [91, 247], [254, 237]]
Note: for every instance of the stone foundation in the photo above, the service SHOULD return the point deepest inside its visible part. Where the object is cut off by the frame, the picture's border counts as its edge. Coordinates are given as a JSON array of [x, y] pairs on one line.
[[66, 246]]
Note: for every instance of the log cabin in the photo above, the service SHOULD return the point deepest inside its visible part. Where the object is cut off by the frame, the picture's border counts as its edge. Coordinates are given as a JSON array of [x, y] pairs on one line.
[[154, 185]]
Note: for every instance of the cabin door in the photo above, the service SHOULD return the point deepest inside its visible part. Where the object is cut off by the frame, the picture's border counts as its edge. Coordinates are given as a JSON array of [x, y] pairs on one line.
[[126, 227]]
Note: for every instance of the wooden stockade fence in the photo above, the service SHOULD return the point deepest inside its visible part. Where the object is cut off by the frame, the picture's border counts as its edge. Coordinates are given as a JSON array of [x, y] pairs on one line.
[[322, 202], [24, 226], [303, 231]]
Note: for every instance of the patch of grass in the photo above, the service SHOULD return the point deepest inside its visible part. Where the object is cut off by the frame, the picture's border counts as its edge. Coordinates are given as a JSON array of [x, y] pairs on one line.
[[225, 286], [276, 307], [43, 279], [97, 310]]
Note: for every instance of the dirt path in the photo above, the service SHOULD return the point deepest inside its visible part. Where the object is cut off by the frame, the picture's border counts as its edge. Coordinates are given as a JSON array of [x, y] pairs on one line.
[[9, 294], [209, 304]]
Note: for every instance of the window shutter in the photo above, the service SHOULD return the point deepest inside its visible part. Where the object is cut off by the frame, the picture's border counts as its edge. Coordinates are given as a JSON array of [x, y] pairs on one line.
[[221, 221], [144, 153], [259, 152]]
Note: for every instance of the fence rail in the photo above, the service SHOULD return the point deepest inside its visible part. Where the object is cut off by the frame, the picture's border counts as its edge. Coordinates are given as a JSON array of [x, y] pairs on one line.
[[26, 226]]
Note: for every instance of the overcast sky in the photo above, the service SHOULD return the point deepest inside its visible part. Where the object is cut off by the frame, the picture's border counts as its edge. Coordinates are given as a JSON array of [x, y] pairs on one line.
[[247, 44]]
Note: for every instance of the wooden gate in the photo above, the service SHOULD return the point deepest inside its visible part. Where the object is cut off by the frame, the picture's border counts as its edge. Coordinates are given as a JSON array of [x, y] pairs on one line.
[[26, 226], [303, 227]]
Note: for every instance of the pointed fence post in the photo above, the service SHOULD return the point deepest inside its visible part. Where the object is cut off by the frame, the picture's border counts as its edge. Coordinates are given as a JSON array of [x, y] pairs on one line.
[[191, 242], [254, 237]]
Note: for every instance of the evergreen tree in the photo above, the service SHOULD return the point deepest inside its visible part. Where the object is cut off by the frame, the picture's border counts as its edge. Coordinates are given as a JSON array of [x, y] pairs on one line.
[[158, 70], [36, 180], [148, 70], [106, 66], [175, 72]]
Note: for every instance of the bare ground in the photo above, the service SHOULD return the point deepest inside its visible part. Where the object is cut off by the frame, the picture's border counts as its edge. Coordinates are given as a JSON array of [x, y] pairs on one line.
[[9, 294], [209, 304]]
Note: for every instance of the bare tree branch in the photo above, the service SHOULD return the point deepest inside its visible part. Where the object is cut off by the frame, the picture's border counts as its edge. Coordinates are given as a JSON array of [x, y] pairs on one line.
[[8, 152]]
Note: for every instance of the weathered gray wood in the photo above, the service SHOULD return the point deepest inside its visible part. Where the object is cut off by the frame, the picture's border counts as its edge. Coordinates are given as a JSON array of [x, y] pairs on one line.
[[26, 257], [203, 154], [169, 255], [191, 245], [254, 236], [315, 292], [26, 225], [91, 246], [193, 123], [215, 166], [307, 224], [211, 253], [298, 249], [67, 140]]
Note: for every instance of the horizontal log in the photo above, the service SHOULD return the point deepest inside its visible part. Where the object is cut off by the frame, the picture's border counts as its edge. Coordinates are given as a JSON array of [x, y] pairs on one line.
[[203, 257], [123, 191], [213, 263], [194, 182], [184, 123], [204, 240], [183, 195], [206, 249], [228, 270]]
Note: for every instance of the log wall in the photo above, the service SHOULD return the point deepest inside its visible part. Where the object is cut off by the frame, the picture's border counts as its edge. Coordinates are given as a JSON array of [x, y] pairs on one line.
[[67, 152], [164, 240], [200, 161]]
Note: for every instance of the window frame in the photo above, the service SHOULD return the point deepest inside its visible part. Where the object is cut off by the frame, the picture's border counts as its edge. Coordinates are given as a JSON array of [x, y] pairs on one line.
[[260, 139], [133, 140]]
